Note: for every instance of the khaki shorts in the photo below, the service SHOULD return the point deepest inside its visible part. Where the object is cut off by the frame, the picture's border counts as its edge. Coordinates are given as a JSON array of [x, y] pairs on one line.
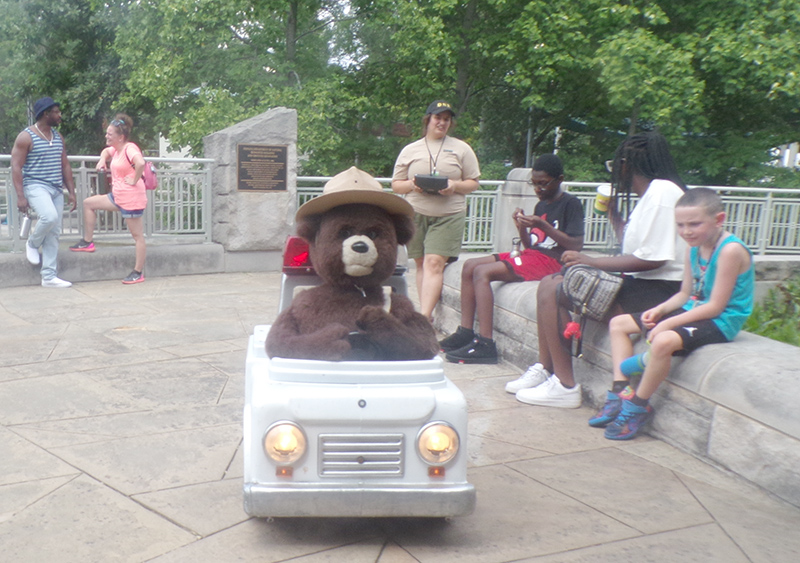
[[437, 235]]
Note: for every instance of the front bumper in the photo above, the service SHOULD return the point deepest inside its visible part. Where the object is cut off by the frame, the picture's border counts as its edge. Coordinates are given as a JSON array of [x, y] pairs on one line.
[[313, 499]]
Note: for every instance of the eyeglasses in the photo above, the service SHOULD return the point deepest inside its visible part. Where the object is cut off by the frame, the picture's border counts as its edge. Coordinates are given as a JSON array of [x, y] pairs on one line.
[[117, 123], [541, 185]]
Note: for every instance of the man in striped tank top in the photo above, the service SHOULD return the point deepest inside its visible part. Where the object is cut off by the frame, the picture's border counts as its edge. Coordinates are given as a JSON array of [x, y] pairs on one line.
[[39, 171]]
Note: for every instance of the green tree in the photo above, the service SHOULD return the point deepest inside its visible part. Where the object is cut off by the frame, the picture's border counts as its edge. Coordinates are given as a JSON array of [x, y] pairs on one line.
[[60, 49]]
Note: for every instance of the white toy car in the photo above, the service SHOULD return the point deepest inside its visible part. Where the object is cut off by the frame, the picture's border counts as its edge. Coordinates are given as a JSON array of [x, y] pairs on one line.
[[352, 438]]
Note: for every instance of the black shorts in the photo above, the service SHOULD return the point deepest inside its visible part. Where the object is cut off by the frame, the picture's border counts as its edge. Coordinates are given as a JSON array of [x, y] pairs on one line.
[[694, 335], [637, 295]]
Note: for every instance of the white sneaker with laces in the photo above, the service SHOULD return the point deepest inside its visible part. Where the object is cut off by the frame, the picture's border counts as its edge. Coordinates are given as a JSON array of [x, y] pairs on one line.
[[32, 254], [56, 282], [551, 393], [535, 375]]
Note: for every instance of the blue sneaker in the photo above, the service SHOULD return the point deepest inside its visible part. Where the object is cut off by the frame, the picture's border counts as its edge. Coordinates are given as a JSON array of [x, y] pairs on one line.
[[630, 421], [611, 409]]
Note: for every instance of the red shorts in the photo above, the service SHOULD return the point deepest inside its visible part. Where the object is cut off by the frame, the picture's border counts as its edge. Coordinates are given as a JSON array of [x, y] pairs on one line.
[[534, 266]]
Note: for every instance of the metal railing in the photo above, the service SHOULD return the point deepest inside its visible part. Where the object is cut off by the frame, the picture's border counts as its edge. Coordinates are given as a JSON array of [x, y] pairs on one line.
[[767, 219], [180, 206]]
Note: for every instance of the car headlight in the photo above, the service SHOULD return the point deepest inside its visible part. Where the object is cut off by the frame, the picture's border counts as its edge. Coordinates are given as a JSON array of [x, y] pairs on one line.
[[437, 443], [284, 442]]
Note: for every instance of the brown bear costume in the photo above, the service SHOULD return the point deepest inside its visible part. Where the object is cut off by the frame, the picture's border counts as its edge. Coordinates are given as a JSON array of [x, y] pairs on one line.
[[353, 230]]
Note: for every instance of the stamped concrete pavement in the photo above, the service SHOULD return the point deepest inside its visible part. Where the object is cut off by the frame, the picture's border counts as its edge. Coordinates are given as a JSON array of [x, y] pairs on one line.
[[121, 437]]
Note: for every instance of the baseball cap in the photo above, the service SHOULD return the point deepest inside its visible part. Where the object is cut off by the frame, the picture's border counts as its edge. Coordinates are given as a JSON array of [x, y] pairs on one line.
[[438, 107]]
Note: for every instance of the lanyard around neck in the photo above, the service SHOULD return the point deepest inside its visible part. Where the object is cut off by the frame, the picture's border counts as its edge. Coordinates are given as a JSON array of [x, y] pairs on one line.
[[432, 162]]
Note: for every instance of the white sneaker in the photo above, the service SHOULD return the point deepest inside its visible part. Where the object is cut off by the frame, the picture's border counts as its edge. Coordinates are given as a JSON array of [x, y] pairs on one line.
[[551, 394], [56, 282], [32, 254], [536, 375]]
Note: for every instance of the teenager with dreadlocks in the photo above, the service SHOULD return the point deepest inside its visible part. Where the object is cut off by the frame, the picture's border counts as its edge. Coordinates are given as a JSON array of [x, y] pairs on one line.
[[651, 264]]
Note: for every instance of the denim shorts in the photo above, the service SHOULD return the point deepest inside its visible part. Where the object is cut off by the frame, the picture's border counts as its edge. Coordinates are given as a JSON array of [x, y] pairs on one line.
[[126, 213]]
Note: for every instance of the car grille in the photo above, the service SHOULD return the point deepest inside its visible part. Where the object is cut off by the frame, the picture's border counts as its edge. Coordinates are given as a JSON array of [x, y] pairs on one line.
[[361, 455]]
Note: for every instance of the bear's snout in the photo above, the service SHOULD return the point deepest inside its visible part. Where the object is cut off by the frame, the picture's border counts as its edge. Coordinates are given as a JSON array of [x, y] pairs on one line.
[[359, 255], [361, 247]]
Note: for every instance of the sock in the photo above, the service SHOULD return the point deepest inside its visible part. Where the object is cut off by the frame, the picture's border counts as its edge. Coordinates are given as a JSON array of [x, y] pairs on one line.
[[634, 365], [618, 386], [639, 402]]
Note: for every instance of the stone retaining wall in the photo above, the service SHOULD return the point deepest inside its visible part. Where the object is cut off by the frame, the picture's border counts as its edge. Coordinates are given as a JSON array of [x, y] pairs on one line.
[[733, 405]]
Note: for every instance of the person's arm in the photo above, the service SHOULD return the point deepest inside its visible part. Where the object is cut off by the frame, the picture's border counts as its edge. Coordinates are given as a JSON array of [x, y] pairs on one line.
[[404, 186], [19, 153], [137, 162], [619, 263], [651, 317], [66, 174], [462, 187], [733, 260], [138, 167], [526, 223], [105, 156], [401, 183]]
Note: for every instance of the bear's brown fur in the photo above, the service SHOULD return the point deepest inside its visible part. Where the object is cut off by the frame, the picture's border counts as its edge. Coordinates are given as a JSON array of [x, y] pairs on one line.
[[320, 321]]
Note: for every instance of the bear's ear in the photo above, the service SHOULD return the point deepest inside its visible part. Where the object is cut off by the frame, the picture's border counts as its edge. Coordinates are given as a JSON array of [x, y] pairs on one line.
[[404, 227], [308, 227]]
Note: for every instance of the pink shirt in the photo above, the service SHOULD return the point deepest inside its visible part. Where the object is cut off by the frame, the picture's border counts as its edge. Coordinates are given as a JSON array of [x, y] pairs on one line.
[[130, 198]]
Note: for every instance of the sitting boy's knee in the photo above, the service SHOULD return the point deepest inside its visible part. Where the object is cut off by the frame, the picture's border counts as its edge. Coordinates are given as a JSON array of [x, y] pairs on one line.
[[665, 343]]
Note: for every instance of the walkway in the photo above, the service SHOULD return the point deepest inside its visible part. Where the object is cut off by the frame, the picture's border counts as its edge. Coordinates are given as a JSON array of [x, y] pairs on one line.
[[121, 428]]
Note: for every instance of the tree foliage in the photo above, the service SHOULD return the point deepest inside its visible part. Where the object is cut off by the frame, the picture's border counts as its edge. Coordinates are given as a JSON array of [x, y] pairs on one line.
[[525, 76]]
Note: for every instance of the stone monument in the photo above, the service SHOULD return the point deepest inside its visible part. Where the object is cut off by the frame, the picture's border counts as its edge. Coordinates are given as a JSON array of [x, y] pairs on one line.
[[254, 186]]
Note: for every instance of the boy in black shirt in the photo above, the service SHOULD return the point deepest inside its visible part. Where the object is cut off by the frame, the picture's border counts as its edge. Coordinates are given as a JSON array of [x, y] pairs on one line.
[[555, 226]]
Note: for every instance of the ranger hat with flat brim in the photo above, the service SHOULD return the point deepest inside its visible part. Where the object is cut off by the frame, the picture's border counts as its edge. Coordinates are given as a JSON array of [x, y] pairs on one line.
[[354, 186]]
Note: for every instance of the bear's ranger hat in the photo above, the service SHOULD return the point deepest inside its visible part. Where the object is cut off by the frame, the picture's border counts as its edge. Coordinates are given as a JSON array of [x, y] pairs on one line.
[[354, 186]]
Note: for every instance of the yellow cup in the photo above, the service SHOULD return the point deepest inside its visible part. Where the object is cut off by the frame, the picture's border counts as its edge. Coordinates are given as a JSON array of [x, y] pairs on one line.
[[602, 200]]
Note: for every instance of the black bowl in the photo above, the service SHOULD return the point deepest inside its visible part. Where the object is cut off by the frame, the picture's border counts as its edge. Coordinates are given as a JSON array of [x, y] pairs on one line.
[[430, 183]]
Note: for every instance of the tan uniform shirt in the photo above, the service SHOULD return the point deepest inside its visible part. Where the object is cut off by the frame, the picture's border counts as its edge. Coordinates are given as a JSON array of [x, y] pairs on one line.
[[456, 160]]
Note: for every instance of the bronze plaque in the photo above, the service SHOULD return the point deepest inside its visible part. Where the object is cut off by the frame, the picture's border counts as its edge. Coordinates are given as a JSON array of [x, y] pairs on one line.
[[261, 168]]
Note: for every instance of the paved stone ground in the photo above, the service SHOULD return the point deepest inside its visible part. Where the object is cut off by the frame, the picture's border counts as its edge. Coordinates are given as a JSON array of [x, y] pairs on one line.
[[121, 441]]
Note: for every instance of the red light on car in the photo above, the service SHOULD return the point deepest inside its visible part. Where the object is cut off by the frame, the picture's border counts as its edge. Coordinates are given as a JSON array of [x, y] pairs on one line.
[[436, 472], [284, 471], [296, 260]]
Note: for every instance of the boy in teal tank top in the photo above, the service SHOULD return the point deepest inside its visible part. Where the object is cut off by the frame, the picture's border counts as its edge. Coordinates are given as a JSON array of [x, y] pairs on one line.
[[715, 299]]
